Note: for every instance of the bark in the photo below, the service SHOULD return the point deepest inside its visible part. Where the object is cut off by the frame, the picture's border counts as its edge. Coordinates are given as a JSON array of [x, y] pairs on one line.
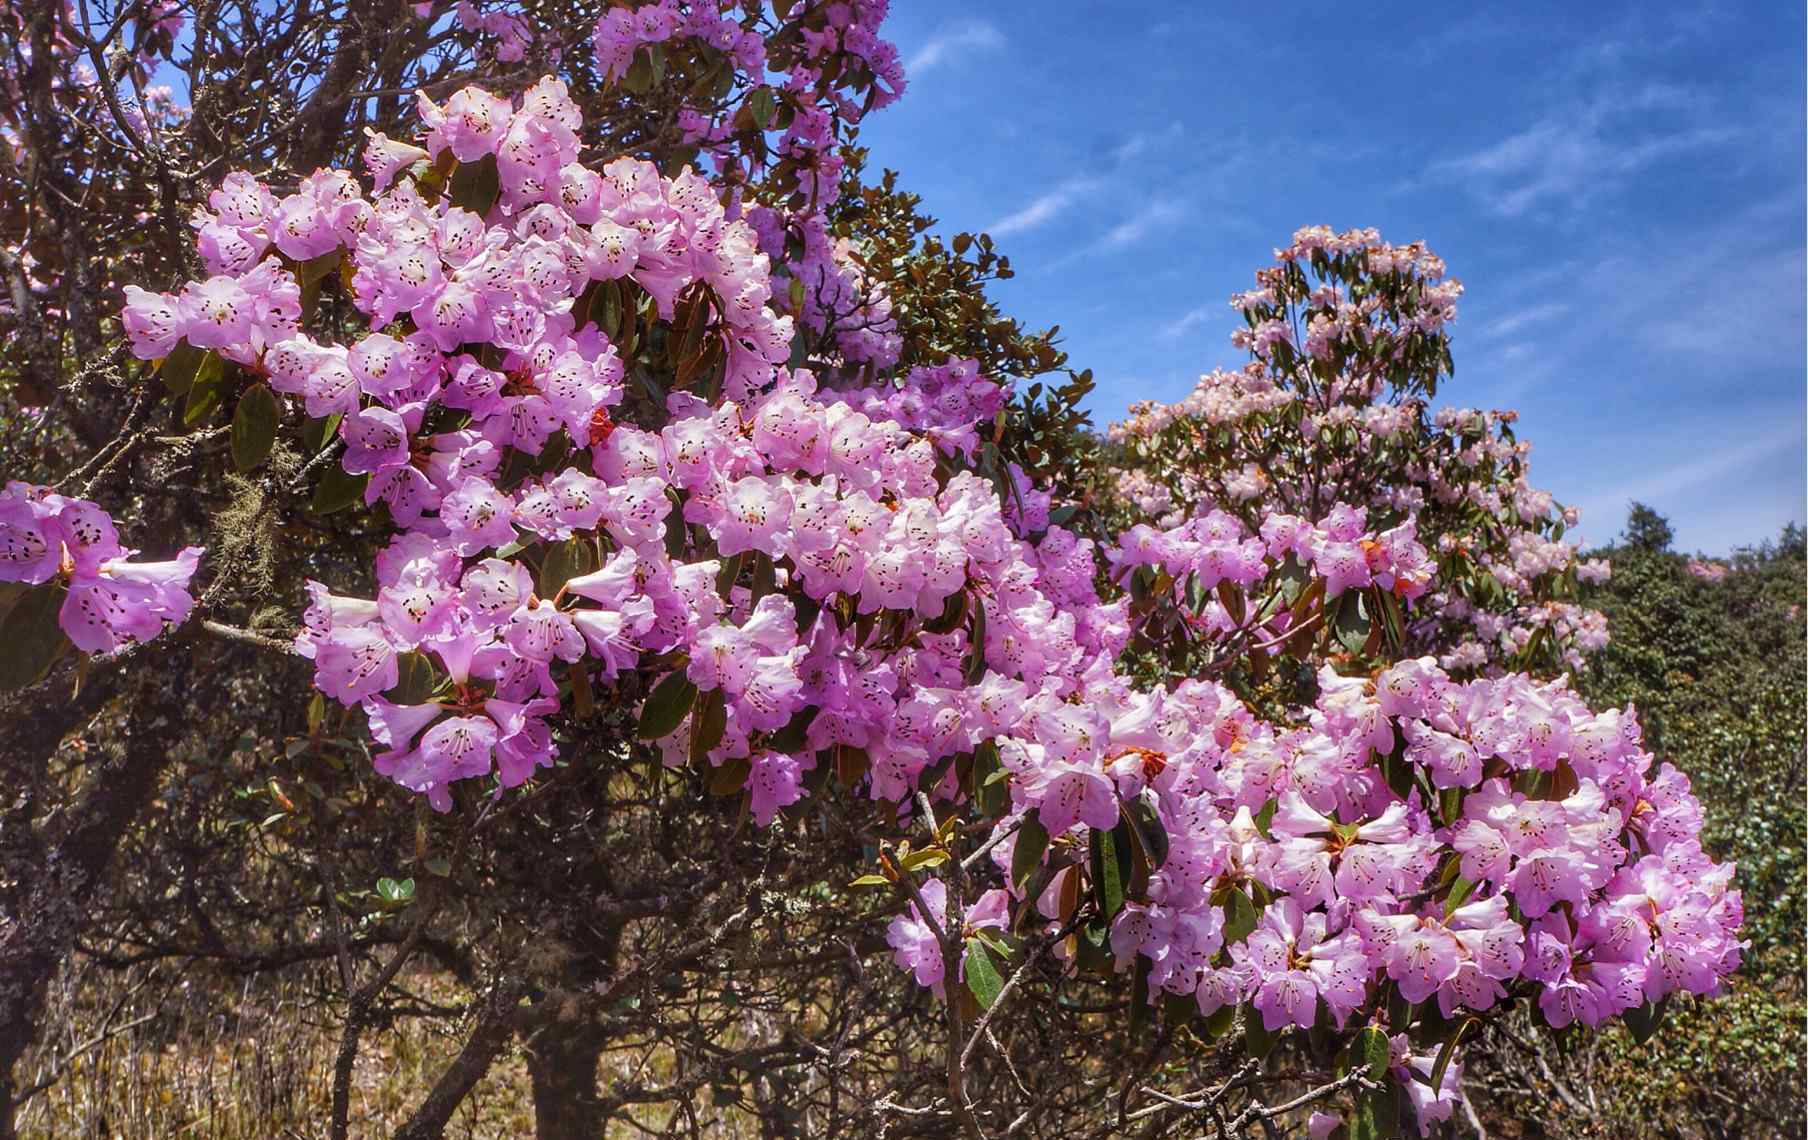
[[562, 1060]]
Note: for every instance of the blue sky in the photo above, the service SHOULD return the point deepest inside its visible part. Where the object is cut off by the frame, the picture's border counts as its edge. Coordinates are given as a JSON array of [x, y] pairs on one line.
[[1620, 188]]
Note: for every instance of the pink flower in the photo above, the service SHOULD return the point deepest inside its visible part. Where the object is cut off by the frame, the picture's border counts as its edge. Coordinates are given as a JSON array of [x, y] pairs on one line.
[[776, 781]]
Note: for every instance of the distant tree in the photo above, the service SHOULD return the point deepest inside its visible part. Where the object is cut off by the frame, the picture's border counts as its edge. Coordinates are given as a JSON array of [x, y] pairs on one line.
[[1647, 530]]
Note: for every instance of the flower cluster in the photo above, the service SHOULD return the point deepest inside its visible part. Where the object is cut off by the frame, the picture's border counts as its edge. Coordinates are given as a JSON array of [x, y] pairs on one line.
[[576, 408], [830, 295], [835, 70], [110, 601], [1459, 842], [1707, 570]]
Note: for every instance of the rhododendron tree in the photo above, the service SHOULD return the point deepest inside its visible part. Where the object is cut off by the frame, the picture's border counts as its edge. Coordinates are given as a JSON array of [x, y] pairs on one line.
[[1349, 341], [682, 564]]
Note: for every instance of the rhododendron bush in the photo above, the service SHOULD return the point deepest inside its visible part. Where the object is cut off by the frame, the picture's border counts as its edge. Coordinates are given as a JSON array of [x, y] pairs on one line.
[[613, 488]]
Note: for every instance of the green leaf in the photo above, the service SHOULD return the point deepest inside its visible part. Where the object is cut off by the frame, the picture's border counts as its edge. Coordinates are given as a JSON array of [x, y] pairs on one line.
[[31, 637], [927, 857], [871, 881], [395, 894], [207, 391], [1448, 1051], [1257, 1038], [1140, 1009], [178, 369], [709, 720], [318, 268], [1352, 621], [761, 104], [1146, 828], [1370, 1052], [476, 185], [976, 639], [639, 79], [254, 427], [337, 489], [1645, 1020], [1026, 856], [984, 980], [1111, 859], [1265, 817], [730, 776], [415, 679], [1239, 917], [991, 792], [564, 561], [1460, 890], [666, 706], [1219, 1022], [1377, 1115], [954, 611]]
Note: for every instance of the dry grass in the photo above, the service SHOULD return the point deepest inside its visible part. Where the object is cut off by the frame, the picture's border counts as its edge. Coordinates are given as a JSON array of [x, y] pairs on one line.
[[154, 1053]]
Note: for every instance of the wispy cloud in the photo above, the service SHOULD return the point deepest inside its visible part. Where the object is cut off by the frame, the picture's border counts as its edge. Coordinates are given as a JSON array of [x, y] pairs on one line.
[[1187, 321], [952, 42], [1655, 485], [1044, 207], [1586, 147], [1157, 213], [1142, 142], [1514, 321]]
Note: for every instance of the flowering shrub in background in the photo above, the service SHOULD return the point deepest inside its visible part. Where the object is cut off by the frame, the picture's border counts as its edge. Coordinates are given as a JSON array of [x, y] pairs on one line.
[[1348, 338], [637, 466]]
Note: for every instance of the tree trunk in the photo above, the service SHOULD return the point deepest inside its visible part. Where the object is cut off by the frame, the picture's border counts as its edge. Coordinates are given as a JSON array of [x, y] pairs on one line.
[[562, 1059]]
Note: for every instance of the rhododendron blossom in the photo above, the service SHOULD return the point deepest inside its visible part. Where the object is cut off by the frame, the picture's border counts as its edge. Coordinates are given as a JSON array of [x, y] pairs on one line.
[[566, 396]]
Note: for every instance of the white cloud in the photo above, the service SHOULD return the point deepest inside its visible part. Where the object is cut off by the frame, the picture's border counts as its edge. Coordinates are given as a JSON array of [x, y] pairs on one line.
[[1590, 145], [1514, 321], [1187, 321], [946, 45], [1143, 141], [1160, 212], [1660, 483], [1043, 208]]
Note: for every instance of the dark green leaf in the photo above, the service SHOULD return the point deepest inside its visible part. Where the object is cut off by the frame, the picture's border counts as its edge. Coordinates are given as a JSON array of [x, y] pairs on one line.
[[709, 720], [1032, 841], [207, 391], [983, 978], [666, 706], [415, 679], [1645, 1020], [564, 561], [31, 636], [337, 490], [1239, 917], [730, 777], [476, 185], [1111, 859], [179, 367], [253, 427], [1460, 890], [1140, 1009], [1352, 621], [1146, 828], [991, 791], [976, 641], [1370, 1052], [1448, 1051], [1257, 1037], [761, 104]]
